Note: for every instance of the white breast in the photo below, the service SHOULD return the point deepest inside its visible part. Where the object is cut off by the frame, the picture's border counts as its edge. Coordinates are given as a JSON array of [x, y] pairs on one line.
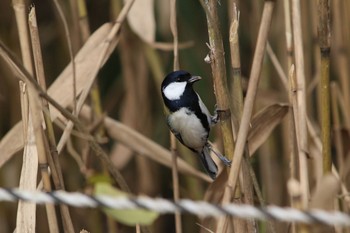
[[190, 128]]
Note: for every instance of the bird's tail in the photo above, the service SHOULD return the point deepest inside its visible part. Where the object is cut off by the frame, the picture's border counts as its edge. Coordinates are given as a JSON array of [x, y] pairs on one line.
[[208, 163]]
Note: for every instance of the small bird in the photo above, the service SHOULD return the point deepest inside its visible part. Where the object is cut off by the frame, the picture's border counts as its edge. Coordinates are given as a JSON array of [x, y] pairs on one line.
[[189, 119]]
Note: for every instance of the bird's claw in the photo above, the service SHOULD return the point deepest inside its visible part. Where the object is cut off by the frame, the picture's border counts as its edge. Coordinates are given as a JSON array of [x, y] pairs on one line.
[[215, 119], [223, 159], [226, 161]]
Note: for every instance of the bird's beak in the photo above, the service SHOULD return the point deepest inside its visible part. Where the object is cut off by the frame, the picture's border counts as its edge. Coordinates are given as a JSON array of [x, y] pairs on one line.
[[194, 79]]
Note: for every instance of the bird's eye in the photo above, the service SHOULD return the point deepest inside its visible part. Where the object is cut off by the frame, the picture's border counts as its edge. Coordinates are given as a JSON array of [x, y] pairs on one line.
[[178, 80]]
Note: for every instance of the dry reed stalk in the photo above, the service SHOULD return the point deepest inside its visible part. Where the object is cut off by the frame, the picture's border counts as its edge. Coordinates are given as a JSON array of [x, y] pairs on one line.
[[299, 102], [120, 132], [70, 49], [26, 212], [35, 109], [291, 126], [249, 103], [176, 66], [23, 75], [217, 61], [237, 108], [99, 61], [55, 166], [95, 98], [277, 65], [60, 90], [324, 35]]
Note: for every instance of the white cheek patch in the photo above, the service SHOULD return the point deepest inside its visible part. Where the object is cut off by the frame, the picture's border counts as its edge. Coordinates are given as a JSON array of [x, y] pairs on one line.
[[174, 90]]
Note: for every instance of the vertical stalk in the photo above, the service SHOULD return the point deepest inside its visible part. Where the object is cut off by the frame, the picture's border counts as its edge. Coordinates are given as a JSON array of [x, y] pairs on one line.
[[250, 97], [237, 107], [300, 101], [291, 125], [34, 118], [55, 166], [217, 61], [248, 106], [175, 175], [324, 42], [70, 49], [30, 155]]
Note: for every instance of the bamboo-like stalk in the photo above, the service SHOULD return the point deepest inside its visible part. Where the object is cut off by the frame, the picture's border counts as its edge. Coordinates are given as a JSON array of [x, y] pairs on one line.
[[249, 101], [324, 35], [297, 197], [53, 153], [176, 65], [299, 103], [34, 119], [217, 61], [237, 106], [26, 212], [30, 157], [291, 125], [36, 109]]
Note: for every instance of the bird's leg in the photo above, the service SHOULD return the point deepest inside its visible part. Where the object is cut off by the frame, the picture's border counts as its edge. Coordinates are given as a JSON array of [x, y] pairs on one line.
[[215, 118], [219, 115], [225, 160]]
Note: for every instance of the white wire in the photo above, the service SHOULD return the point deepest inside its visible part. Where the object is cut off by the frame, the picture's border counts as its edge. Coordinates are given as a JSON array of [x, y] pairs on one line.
[[160, 205]]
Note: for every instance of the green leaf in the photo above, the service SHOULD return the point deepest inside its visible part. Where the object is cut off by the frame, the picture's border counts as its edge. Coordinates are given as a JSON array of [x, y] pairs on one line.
[[99, 178], [127, 217]]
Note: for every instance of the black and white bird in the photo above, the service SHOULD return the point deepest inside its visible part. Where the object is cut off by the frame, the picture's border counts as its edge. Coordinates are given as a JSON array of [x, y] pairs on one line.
[[189, 119]]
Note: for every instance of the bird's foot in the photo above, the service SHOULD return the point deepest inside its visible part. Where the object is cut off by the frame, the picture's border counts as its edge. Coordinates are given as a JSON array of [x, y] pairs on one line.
[[219, 114], [223, 159], [215, 119]]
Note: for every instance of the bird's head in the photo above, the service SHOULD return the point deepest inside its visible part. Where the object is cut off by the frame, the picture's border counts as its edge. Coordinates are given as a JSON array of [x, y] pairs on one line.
[[176, 82]]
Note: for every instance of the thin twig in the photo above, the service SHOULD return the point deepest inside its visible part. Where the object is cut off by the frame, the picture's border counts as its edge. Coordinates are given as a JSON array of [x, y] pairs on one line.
[[70, 49], [175, 175], [300, 104]]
